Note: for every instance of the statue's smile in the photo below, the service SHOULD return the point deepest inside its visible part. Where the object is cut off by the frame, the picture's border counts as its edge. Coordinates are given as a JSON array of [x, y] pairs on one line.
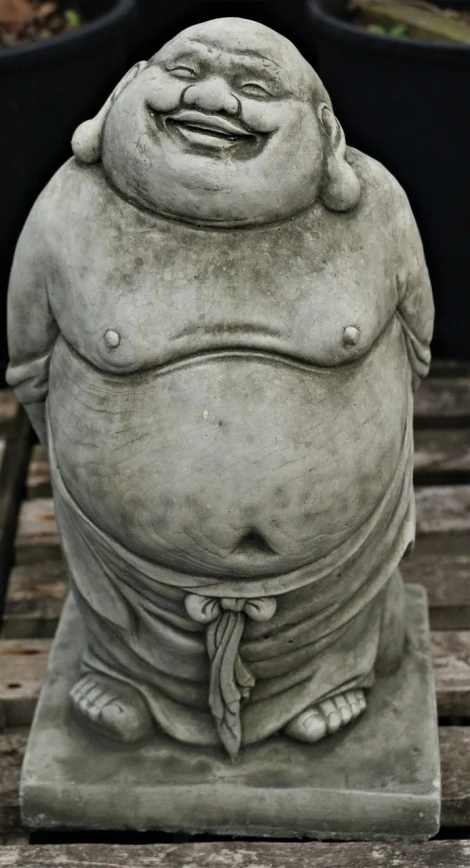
[[214, 131]]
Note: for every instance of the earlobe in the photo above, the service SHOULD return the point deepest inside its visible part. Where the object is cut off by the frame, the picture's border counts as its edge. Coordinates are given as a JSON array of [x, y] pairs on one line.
[[341, 189], [86, 140]]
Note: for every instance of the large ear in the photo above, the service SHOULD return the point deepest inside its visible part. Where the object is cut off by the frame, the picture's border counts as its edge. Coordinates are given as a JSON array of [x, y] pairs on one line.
[[86, 140], [341, 188]]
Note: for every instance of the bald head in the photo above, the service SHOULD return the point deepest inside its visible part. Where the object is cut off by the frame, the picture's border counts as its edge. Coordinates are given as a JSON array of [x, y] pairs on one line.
[[250, 41]]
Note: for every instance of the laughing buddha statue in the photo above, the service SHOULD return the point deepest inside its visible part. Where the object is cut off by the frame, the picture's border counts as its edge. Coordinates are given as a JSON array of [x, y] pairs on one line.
[[218, 313]]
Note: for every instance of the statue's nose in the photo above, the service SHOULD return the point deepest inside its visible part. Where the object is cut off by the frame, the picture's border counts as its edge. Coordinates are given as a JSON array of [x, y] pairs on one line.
[[211, 95]]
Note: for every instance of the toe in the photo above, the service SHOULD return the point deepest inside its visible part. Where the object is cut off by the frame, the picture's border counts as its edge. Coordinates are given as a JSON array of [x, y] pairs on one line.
[[91, 698], [351, 697], [131, 723], [81, 688], [314, 725], [309, 726], [332, 715], [344, 709]]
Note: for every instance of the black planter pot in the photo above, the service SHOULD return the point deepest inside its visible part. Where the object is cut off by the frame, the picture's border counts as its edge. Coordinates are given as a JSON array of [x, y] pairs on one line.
[[406, 102], [158, 22], [46, 89]]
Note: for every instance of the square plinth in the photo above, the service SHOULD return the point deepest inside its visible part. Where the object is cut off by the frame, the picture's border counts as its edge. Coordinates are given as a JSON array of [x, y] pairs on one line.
[[379, 779]]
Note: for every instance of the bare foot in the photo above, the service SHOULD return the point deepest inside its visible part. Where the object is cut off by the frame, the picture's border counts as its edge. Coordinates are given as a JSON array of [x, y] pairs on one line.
[[115, 709], [327, 717]]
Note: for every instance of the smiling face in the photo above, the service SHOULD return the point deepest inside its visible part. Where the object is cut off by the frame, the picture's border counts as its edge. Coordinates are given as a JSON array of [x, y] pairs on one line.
[[219, 128]]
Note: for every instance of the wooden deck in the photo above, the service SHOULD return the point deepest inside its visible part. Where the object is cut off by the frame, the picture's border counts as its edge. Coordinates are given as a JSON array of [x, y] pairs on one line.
[[32, 591]]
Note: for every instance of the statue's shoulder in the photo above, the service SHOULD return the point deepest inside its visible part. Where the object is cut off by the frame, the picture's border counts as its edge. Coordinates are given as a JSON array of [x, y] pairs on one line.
[[379, 188], [74, 194]]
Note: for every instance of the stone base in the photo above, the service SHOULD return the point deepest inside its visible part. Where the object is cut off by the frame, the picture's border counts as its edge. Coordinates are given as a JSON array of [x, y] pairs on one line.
[[379, 779]]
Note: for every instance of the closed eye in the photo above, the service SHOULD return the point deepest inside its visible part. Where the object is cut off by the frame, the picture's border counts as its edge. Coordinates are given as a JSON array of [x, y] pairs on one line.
[[252, 88], [183, 72]]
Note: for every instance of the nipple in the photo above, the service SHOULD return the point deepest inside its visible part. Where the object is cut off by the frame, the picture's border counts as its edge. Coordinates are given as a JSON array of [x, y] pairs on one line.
[[350, 336]]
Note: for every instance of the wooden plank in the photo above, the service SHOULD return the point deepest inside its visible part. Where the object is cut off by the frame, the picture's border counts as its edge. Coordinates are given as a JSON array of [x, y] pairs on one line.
[[443, 519], [12, 748], [34, 601], [8, 410], [447, 582], [451, 661], [446, 577], [443, 401], [22, 669], [442, 457], [12, 477], [38, 483], [454, 746], [455, 760], [37, 537], [23, 666], [246, 854]]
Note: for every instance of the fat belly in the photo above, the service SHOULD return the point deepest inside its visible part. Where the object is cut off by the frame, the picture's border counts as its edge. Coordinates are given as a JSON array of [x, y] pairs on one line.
[[232, 463]]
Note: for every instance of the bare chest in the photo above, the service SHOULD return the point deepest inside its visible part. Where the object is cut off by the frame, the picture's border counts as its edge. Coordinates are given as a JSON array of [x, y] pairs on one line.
[[142, 299]]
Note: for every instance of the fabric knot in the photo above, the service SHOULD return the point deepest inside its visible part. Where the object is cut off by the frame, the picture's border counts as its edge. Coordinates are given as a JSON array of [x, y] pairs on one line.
[[231, 680]]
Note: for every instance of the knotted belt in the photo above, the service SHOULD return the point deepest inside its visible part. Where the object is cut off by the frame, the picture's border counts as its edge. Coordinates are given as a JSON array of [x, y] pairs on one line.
[[230, 678]]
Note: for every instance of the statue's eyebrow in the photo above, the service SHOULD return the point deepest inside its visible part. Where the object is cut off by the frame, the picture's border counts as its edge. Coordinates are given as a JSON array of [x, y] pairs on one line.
[[242, 52]]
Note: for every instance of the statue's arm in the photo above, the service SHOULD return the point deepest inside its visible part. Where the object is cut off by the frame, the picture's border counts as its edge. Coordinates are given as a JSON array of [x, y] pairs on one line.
[[415, 306], [32, 329]]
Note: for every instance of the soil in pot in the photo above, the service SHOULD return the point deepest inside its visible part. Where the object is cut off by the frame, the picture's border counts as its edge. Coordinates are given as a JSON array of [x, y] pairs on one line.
[[25, 21]]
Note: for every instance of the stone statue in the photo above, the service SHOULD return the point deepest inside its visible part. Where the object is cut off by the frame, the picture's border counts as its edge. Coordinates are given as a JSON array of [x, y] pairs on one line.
[[217, 315]]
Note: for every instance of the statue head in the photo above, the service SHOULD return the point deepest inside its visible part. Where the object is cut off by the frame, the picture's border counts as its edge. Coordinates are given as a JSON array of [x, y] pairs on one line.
[[227, 124]]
